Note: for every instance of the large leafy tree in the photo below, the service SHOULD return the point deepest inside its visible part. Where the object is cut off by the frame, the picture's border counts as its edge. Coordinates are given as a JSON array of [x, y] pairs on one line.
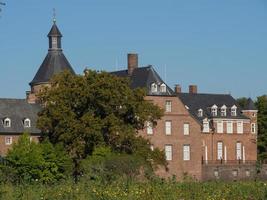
[[97, 108]]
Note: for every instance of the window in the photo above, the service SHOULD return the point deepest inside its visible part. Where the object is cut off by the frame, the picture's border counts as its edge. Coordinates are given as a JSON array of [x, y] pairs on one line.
[[219, 150], [152, 147], [235, 173], [240, 127], [219, 126], [253, 128], [247, 173], [8, 140], [216, 173], [149, 128], [162, 87], [168, 106], [27, 123], [233, 110], [154, 87], [54, 42], [206, 126], [7, 122], [229, 127], [168, 127], [214, 110], [223, 111], [186, 129], [200, 113], [168, 152], [186, 152], [238, 151]]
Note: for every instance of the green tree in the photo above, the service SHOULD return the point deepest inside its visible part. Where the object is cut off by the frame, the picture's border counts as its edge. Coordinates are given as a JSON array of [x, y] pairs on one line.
[[242, 101], [29, 161], [82, 112], [261, 105]]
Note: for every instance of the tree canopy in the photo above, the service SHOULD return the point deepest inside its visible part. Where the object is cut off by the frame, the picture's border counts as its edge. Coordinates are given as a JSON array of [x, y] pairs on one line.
[[95, 109]]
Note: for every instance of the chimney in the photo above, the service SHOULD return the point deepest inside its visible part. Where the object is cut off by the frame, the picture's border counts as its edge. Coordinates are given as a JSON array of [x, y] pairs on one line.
[[177, 89], [132, 62], [193, 89]]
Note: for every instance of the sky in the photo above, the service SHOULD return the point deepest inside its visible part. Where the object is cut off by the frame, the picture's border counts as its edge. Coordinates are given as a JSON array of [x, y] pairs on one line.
[[220, 46]]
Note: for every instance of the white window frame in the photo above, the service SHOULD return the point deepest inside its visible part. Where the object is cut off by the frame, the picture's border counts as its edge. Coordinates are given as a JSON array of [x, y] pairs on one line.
[[149, 128], [27, 123], [219, 150], [186, 152], [154, 88], [240, 127], [220, 126], [206, 126], [200, 113], [229, 127], [234, 111], [238, 151], [168, 152], [8, 140], [7, 122], [168, 106], [186, 128], [253, 128], [214, 110], [168, 127], [163, 87], [223, 111]]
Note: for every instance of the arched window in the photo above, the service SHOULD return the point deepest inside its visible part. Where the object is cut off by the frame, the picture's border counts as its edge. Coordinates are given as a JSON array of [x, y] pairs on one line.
[[214, 110], [233, 110], [154, 87], [223, 110], [162, 87], [27, 123], [7, 122], [200, 113]]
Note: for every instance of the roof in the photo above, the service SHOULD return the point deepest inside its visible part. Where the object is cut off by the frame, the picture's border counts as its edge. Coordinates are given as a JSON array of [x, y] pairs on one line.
[[250, 105], [205, 101], [54, 63], [54, 31], [17, 110], [143, 77]]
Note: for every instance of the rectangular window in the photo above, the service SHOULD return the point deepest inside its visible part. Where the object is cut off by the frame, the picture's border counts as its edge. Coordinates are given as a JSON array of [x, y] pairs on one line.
[[149, 128], [219, 150], [168, 152], [219, 126], [186, 129], [168, 106], [253, 128], [238, 151], [168, 127], [206, 127], [229, 127], [8, 140], [186, 152], [240, 127]]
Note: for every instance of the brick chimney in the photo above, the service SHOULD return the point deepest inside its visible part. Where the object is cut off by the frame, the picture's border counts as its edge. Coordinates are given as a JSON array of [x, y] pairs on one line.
[[193, 89], [177, 89], [132, 62]]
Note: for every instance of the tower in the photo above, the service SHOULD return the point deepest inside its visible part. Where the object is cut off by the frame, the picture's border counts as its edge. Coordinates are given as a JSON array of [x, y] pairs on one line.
[[54, 63]]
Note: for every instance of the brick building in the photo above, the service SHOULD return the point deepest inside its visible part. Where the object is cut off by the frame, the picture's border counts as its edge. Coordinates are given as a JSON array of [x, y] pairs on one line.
[[205, 136]]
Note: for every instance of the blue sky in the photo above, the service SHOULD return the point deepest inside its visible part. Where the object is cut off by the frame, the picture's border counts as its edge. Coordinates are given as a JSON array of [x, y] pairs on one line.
[[219, 45]]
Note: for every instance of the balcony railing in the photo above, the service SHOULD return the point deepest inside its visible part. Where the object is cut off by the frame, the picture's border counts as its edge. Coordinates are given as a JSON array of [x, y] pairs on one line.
[[229, 162]]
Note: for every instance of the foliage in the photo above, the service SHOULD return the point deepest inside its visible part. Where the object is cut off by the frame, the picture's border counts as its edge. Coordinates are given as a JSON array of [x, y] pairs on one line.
[[30, 162], [242, 101], [83, 112], [262, 126], [158, 190]]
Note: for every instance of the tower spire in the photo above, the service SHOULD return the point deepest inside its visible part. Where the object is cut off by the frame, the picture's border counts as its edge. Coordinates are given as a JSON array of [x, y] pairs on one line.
[[54, 15]]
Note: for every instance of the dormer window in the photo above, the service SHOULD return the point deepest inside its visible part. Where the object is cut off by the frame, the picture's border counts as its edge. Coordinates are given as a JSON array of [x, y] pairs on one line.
[[7, 122], [223, 111], [154, 87], [233, 110], [162, 87], [27, 123], [200, 113], [214, 110]]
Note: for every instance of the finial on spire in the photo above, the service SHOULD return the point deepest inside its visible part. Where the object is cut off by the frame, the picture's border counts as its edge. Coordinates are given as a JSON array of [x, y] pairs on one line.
[[54, 15]]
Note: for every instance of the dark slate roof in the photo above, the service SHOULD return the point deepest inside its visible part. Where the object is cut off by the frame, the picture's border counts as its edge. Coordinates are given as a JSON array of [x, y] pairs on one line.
[[54, 62], [250, 105], [17, 110], [205, 101], [54, 31], [143, 77]]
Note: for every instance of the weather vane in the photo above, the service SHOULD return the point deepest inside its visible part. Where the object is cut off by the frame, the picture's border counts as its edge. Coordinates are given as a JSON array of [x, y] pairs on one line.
[[54, 15]]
